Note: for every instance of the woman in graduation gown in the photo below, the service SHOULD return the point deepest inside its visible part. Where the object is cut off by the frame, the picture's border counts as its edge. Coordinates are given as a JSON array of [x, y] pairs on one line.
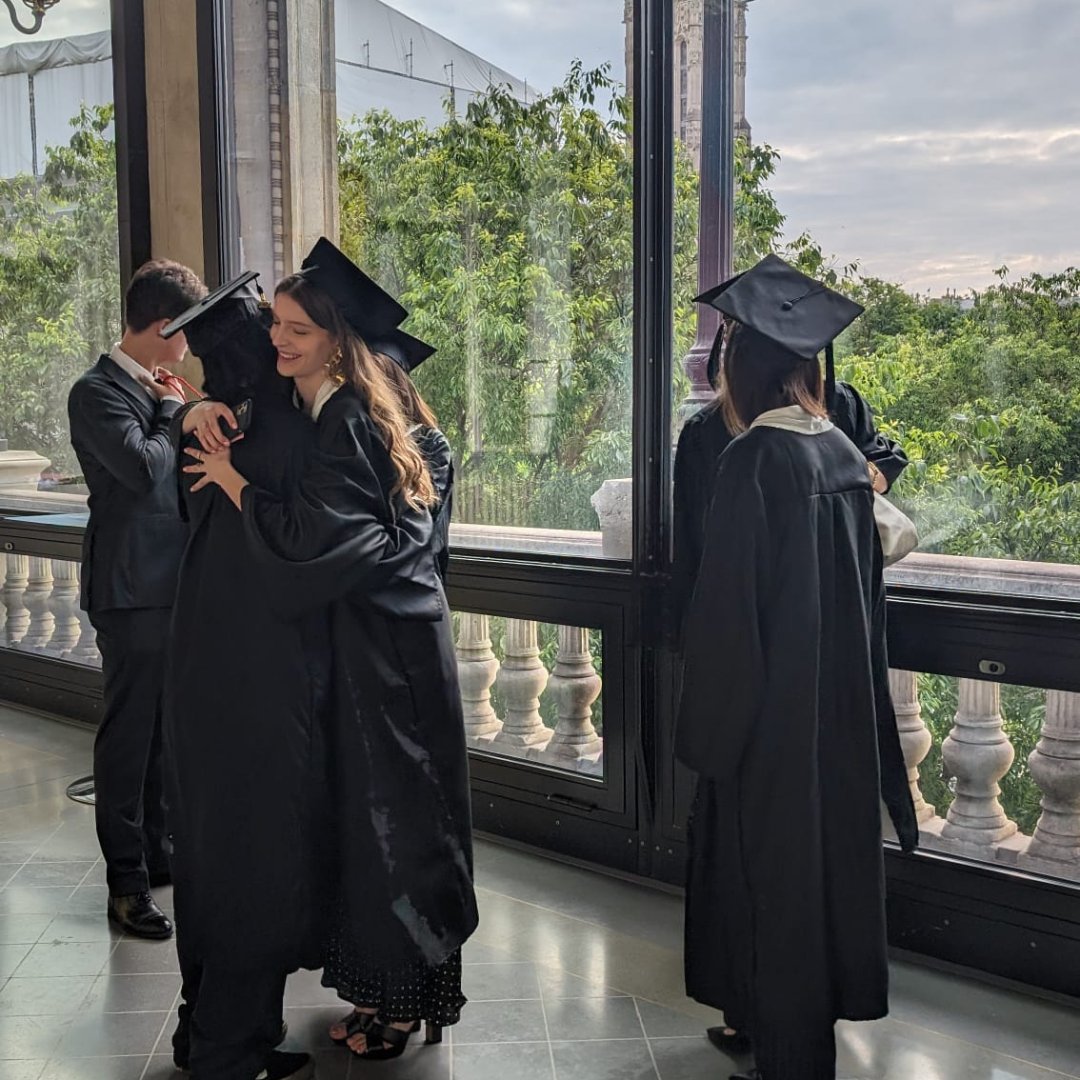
[[785, 922], [399, 780], [244, 751], [706, 435]]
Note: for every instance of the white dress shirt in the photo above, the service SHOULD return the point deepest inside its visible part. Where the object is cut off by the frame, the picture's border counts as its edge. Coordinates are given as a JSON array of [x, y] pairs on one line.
[[137, 372]]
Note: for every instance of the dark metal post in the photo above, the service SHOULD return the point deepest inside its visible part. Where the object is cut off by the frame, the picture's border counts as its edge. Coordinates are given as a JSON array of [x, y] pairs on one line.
[[716, 185]]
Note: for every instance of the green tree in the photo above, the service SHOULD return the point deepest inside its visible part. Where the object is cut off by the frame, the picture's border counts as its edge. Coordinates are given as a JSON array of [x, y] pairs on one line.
[[59, 301]]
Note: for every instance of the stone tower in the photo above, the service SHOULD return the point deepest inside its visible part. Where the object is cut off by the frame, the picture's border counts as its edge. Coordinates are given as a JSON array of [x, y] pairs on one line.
[[686, 70]]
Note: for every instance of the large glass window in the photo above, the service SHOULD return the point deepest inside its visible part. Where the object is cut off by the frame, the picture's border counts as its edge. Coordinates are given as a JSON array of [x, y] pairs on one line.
[[923, 157], [486, 179], [59, 265]]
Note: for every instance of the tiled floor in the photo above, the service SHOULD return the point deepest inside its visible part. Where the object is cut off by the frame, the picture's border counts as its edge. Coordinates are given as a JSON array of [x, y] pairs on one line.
[[571, 976]]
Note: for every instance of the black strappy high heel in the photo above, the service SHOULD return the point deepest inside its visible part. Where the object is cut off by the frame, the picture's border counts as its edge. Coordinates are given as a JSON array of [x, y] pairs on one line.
[[390, 1042]]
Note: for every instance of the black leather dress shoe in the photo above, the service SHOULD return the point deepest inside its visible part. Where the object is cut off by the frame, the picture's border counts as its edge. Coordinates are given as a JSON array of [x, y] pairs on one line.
[[139, 915]]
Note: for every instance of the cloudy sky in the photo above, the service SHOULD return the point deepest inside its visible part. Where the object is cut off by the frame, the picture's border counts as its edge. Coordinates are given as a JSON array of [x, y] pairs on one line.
[[931, 140]]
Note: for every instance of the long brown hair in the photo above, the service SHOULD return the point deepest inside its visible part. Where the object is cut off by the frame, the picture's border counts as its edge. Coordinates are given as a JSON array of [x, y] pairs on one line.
[[357, 365], [759, 375], [415, 408]]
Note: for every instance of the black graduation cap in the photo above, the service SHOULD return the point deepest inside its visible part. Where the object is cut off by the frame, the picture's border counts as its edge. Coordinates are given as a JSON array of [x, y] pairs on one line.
[[794, 311], [406, 351], [369, 309], [211, 319]]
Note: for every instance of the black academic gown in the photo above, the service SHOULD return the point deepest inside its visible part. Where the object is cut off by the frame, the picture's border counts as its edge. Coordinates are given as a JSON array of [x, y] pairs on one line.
[[439, 458], [245, 748], [704, 438], [785, 927], [400, 776]]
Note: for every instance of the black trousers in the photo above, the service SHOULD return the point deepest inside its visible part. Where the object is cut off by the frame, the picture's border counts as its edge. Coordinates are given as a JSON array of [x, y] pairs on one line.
[[229, 1019], [127, 750]]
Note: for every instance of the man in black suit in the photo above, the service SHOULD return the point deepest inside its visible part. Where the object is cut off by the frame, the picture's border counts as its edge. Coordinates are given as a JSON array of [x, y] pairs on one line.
[[119, 414]]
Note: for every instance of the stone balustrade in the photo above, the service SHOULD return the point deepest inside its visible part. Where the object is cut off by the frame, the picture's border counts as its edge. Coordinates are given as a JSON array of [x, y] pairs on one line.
[[39, 610], [524, 689], [977, 754], [535, 693]]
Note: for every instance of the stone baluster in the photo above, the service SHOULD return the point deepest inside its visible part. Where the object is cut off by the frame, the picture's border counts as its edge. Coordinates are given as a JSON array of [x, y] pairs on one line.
[[64, 605], [915, 737], [477, 667], [575, 685], [38, 590], [977, 752], [18, 616], [521, 681], [1055, 766]]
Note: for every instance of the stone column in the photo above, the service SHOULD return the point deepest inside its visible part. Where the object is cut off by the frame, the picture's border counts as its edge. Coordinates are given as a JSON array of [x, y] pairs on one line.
[[38, 591], [477, 668], [64, 603], [521, 681], [15, 582], [915, 737], [1055, 766], [978, 753], [576, 686]]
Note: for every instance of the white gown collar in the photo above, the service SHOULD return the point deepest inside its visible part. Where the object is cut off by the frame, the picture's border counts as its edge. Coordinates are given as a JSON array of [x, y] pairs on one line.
[[328, 389], [794, 418]]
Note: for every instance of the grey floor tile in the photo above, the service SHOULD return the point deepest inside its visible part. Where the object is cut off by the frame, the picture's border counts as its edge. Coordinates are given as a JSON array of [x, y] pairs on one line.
[[692, 1059], [87, 900], [305, 988], [36, 874], [1041, 1032], [161, 1068], [521, 1061], [891, 1050], [500, 982], [625, 907], [29, 1037], [95, 1068], [8, 870], [500, 1021], [133, 993], [133, 957], [24, 900], [97, 1034], [572, 1019], [23, 929], [474, 953], [23, 1070], [614, 1059], [18, 851], [308, 1025], [65, 958], [11, 956], [660, 1022], [417, 1063], [556, 983], [80, 927], [54, 996]]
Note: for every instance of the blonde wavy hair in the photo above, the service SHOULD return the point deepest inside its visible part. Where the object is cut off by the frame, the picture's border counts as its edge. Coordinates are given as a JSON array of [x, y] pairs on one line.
[[357, 365]]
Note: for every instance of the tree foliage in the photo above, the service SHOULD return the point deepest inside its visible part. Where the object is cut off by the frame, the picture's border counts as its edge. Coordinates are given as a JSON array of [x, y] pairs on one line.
[[60, 295]]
